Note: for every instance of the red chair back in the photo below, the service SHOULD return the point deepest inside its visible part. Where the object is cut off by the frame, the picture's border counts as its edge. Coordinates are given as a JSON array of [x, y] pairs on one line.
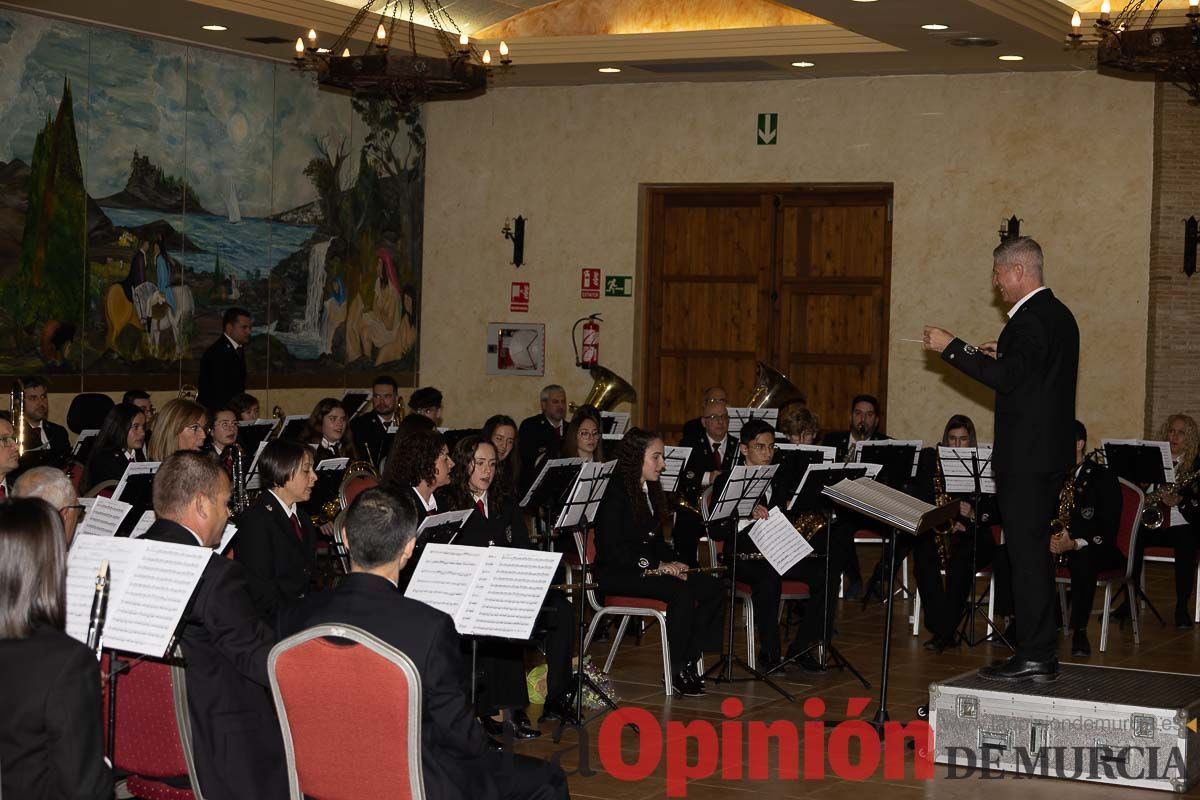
[[356, 486], [1131, 522], [148, 741], [350, 715]]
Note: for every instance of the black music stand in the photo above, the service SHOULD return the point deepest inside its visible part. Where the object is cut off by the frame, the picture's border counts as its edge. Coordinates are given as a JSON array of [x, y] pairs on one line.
[[742, 490], [810, 497], [435, 529], [251, 433], [138, 492], [1141, 465], [82, 451], [548, 493]]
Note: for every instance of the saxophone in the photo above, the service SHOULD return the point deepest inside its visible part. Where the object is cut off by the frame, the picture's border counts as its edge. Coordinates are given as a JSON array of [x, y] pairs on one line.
[[1155, 514], [1062, 520], [941, 536]]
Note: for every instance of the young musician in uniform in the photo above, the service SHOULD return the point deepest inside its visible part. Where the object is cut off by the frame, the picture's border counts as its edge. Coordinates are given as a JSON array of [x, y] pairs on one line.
[[328, 431], [583, 438], [501, 431], [118, 445], [245, 406], [276, 540], [713, 452], [370, 430], [45, 442], [800, 426], [224, 432], [141, 399], [629, 544], [419, 464]]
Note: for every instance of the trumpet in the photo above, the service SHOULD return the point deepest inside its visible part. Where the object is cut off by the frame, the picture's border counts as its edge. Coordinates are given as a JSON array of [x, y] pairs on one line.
[[649, 573]]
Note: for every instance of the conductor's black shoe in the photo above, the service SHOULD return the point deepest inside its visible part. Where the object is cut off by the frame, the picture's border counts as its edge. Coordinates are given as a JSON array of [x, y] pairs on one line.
[[559, 709], [492, 727], [1080, 646], [522, 727], [1183, 620], [1019, 669], [686, 684]]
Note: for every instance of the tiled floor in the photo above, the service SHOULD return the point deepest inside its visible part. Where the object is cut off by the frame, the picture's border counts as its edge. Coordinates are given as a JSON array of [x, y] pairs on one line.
[[637, 679]]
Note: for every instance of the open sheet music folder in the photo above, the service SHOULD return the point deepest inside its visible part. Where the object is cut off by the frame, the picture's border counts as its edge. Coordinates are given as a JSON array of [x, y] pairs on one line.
[[890, 506], [962, 465], [552, 482]]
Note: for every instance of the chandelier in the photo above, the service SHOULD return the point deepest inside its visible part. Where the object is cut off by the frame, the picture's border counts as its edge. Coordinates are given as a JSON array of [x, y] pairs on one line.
[[1129, 43], [390, 66]]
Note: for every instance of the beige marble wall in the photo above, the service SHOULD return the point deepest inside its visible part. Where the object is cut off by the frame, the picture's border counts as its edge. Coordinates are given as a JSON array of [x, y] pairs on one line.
[[1069, 153]]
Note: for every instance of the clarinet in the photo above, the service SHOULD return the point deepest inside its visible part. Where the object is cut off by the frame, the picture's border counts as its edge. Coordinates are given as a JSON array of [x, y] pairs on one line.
[[239, 500], [99, 609]]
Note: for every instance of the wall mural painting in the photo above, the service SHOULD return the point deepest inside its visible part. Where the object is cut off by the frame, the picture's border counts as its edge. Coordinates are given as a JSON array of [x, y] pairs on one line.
[[146, 187]]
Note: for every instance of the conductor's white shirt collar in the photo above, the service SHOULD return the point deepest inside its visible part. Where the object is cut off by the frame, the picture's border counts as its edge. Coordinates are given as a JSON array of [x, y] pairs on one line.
[[1017, 306]]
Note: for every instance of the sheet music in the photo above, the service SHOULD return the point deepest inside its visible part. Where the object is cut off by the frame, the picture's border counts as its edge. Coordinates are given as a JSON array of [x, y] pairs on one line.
[[740, 416], [741, 492], [332, 464], [134, 468], [958, 469], [915, 443], [546, 467], [779, 541], [1164, 448], [828, 454], [878, 501], [584, 500], [104, 517], [611, 437], [871, 471], [488, 591], [458, 518], [86, 502], [227, 537], [84, 435], [253, 480], [150, 585], [143, 525], [620, 421], [676, 459]]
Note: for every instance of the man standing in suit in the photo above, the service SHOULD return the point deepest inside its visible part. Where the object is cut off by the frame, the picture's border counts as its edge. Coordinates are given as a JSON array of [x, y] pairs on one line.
[[370, 430], [235, 735], [45, 442], [713, 452], [380, 533], [541, 436], [223, 366], [1032, 369]]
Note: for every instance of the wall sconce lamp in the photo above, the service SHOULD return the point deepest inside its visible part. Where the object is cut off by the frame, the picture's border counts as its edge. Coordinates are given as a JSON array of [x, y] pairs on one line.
[[1009, 228], [514, 231], [1190, 241]]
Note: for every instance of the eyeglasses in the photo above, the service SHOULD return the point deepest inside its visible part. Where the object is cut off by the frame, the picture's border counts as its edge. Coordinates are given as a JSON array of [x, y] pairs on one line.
[[76, 507], [589, 434], [8, 441], [758, 447], [227, 424], [717, 417], [194, 428]]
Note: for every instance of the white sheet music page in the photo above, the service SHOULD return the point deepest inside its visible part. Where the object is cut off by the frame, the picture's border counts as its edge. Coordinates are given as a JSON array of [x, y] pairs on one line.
[[620, 421], [84, 435], [779, 541], [157, 593], [742, 491], [444, 576], [676, 459], [880, 502], [104, 517], [586, 494], [134, 468], [227, 537], [142, 525], [82, 562], [546, 467], [958, 469], [740, 416], [330, 464], [445, 518], [505, 599]]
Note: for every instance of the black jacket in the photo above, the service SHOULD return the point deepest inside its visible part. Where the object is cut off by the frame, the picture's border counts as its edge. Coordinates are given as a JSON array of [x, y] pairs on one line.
[[1033, 376], [56, 435], [776, 497], [108, 465], [51, 741], [452, 743], [701, 459], [1096, 515], [504, 527], [235, 735], [623, 546], [371, 438], [537, 441], [841, 441], [279, 566], [222, 374]]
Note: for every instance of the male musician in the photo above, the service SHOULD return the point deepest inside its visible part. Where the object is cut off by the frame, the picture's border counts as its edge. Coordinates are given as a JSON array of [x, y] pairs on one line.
[[427, 401], [223, 366], [380, 532], [1032, 369], [8, 452], [49, 441], [53, 486], [713, 452], [141, 399], [370, 430], [541, 436], [694, 428], [235, 735]]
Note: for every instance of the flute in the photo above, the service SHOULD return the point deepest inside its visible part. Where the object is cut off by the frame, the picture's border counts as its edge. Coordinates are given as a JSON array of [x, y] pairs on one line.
[[99, 609], [648, 573]]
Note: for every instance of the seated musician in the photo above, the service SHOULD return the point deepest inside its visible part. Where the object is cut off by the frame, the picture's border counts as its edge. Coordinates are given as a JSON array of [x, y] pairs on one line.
[[501, 431], [629, 546], [9, 453], [118, 444], [583, 438], [713, 452], [53, 486], [944, 604], [224, 432], [419, 464], [1181, 511], [45, 442], [245, 406], [328, 431], [370, 430], [758, 449], [276, 540], [497, 521], [179, 426], [141, 399], [427, 402], [693, 429], [800, 426]]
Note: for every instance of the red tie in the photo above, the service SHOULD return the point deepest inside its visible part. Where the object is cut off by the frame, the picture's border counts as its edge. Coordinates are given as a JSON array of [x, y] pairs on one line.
[[296, 527], [3, 491], [717, 456], [479, 507]]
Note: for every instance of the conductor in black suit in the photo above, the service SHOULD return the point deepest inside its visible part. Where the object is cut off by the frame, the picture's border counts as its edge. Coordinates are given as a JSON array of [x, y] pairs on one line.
[[223, 366], [1032, 369], [380, 532], [235, 735]]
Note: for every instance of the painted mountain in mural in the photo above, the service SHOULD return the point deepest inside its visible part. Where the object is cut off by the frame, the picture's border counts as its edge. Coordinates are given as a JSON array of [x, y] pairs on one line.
[[149, 188]]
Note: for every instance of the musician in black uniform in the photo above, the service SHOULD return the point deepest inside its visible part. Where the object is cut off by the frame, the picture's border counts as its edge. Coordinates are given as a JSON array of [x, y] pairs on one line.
[[427, 401], [541, 436], [46, 444], [694, 428], [713, 452], [223, 366], [758, 448], [501, 431], [370, 429], [954, 551], [245, 406], [419, 464], [118, 444], [276, 540], [328, 434], [222, 433], [628, 543]]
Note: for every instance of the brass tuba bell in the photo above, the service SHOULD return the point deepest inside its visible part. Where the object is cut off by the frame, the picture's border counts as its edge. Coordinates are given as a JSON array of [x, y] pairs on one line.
[[608, 390], [773, 389]]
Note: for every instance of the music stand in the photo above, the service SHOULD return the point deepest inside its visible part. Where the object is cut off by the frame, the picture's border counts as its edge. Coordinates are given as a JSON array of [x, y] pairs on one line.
[[809, 496], [293, 427], [82, 451], [549, 491], [434, 529], [738, 498], [137, 489], [1142, 464], [898, 465], [253, 432]]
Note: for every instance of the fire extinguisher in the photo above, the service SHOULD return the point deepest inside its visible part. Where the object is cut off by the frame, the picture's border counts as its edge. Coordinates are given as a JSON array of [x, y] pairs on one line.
[[589, 355]]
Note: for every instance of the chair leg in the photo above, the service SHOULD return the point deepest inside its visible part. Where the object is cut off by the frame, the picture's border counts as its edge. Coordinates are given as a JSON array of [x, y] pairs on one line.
[[591, 631], [916, 615], [1196, 617], [666, 653], [1062, 604], [751, 642], [612, 651], [1133, 617], [1104, 615]]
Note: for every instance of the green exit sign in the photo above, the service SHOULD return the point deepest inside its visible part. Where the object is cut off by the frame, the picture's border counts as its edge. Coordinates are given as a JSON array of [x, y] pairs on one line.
[[618, 286]]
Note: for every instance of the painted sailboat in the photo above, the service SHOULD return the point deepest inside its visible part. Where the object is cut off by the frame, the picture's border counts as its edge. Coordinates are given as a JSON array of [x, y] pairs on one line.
[[231, 204]]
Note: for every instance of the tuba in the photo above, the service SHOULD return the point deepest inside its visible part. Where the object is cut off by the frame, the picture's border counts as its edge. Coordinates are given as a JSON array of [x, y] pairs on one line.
[[773, 389], [608, 391]]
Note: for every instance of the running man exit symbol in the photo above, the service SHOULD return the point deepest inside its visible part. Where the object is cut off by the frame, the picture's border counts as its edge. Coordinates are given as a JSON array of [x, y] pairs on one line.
[[768, 127]]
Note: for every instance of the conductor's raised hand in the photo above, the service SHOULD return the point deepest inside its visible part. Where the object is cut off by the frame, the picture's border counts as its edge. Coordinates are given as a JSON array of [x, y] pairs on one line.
[[937, 339]]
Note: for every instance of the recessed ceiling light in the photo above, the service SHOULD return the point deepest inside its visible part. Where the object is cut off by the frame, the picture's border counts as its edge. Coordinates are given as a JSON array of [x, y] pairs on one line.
[[609, 70], [935, 26], [864, 1], [803, 64], [215, 28], [1011, 58]]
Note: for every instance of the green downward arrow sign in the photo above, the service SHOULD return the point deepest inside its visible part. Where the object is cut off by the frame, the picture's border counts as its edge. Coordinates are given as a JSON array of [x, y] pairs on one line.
[[768, 128]]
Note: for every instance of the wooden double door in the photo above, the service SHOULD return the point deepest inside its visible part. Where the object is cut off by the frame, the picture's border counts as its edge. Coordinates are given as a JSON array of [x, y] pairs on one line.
[[796, 276]]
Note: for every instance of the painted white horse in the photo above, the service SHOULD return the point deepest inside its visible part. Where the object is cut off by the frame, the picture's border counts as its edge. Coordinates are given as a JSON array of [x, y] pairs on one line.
[[164, 318]]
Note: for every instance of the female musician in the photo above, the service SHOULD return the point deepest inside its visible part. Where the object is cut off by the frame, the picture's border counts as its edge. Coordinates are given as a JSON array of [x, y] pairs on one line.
[[224, 433], [628, 544], [51, 742], [501, 431], [179, 426], [276, 540], [119, 442], [1183, 508], [801, 426], [328, 431], [420, 464], [245, 406], [582, 438]]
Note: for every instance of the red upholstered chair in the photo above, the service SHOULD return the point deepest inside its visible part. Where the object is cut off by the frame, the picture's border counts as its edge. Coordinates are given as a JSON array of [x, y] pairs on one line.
[[1127, 533], [350, 711], [151, 712], [354, 483]]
